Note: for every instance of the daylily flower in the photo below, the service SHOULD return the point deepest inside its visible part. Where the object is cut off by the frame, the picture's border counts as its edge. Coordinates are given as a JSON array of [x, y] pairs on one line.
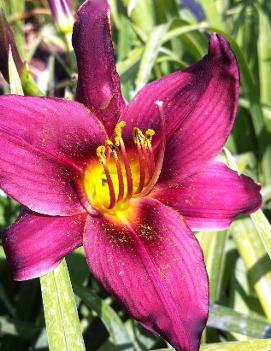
[[128, 181]]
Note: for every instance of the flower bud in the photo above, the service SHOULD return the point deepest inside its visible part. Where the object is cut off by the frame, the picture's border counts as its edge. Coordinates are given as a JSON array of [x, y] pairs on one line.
[[6, 41], [62, 15]]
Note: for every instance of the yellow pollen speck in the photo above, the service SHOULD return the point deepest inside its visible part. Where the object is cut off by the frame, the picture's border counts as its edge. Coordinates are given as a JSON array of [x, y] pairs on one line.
[[100, 152]]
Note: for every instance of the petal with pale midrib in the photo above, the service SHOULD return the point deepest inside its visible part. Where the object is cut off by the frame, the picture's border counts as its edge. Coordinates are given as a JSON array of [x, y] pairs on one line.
[[154, 266]]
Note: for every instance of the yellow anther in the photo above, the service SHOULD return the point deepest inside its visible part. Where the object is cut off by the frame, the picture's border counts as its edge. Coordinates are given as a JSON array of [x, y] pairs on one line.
[[138, 136], [111, 147], [148, 138], [120, 125], [149, 134], [100, 152], [118, 132]]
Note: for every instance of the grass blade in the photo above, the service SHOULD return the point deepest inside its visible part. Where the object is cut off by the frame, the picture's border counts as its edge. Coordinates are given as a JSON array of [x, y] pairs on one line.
[[150, 54], [61, 316], [117, 330], [14, 78], [225, 318], [264, 50]]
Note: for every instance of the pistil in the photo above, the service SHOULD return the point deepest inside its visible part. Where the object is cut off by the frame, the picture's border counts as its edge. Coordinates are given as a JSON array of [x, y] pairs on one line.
[[149, 152]]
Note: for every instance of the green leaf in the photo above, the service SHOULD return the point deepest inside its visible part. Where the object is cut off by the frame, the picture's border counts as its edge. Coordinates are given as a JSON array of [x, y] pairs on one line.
[[18, 328], [225, 318], [213, 246], [180, 30], [256, 260], [134, 57], [61, 316], [264, 53], [14, 78], [117, 330], [211, 10], [141, 13], [263, 228], [150, 54]]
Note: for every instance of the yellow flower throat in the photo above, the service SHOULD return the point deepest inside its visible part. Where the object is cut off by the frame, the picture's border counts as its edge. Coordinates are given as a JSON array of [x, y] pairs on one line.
[[120, 175]]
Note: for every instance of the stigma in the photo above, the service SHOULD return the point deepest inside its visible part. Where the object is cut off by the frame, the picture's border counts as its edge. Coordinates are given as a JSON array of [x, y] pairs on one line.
[[120, 175]]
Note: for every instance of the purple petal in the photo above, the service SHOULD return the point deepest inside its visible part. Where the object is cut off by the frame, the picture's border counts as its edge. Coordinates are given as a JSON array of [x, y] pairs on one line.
[[35, 244], [155, 267], [44, 144], [200, 105], [212, 198], [98, 82]]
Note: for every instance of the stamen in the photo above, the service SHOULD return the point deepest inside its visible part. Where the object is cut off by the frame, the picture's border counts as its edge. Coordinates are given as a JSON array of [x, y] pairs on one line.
[[114, 152], [161, 154], [139, 140], [151, 161], [118, 132], [119, 142], [148, 135], [102, 158]]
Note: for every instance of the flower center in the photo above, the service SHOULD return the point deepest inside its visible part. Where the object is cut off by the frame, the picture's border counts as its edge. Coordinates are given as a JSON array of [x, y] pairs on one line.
[[120, 175]]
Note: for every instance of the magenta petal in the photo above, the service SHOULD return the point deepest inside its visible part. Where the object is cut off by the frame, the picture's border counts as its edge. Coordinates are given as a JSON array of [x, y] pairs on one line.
[[200, 105], [98, 82], [44, 144], [212, 198], [155, 267], [35, 244]]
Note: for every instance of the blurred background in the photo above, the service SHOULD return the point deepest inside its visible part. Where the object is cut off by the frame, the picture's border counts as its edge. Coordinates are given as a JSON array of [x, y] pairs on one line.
[[152, 38]]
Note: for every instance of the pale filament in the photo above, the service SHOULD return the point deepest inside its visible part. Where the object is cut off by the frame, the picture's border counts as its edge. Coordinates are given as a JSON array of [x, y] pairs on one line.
[[160, 159], [139, 141]]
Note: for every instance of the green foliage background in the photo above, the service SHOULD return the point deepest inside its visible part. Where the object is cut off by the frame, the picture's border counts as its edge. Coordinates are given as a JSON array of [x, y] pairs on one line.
[[153, 38]]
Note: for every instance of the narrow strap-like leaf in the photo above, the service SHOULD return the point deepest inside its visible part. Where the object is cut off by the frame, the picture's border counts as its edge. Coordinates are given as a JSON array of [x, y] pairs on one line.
[[119, 338], [150, 54], [61, 316], [14, 78]]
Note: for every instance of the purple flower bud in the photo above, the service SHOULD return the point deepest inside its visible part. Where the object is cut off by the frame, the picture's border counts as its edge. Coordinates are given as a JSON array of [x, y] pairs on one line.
[[62, 15], [6, 41]]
